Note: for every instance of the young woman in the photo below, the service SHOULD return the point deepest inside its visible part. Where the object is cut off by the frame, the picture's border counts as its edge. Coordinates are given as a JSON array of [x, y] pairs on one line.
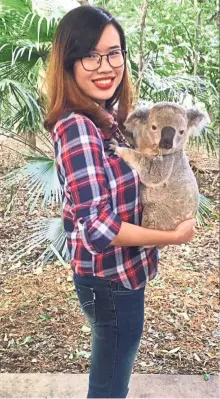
[[86, 76]]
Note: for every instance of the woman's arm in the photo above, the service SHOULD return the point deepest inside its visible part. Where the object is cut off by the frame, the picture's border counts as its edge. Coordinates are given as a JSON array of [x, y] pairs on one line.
[[80, 165], [79, 159], [132, 235]]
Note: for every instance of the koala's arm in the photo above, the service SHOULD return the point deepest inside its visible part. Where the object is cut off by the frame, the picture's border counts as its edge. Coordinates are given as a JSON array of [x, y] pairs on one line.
[[134, 158]]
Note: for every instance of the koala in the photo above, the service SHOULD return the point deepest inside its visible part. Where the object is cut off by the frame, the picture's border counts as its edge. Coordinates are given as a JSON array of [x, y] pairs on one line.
[[169, 191]]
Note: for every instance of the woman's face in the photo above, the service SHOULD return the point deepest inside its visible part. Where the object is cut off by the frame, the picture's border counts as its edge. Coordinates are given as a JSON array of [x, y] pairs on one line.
[[101, 84]]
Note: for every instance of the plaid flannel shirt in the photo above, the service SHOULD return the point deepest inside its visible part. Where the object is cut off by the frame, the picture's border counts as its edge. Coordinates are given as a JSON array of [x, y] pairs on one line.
[[100, 190]]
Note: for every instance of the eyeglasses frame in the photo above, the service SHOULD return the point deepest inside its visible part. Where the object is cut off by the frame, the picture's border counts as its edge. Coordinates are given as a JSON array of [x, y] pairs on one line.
[[124, 52]]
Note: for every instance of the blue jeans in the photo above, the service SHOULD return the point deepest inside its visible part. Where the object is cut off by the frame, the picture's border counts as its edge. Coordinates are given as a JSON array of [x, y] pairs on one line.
[[116, 317]]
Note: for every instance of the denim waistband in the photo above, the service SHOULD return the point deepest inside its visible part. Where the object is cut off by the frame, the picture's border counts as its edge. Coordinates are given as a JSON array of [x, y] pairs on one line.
[[101, 283], [90, 280]]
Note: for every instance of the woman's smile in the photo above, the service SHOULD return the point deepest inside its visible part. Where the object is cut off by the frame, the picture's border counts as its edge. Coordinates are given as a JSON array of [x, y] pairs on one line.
[[104, 83]]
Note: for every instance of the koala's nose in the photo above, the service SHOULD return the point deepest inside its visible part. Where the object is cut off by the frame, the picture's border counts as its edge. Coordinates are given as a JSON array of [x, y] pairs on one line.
[[167, 135]]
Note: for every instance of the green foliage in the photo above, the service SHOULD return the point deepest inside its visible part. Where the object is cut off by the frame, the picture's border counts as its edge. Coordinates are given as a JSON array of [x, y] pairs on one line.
[[172, 39], [20, 5], [25, 42]]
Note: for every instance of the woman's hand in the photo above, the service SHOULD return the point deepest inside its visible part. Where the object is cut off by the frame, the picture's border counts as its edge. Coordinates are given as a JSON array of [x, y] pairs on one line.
[[132, 235], [185, 231]]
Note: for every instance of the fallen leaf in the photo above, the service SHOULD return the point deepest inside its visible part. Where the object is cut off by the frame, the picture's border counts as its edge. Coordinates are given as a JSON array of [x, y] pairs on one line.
[[5, 338], [143, 364], [206, 377], [72, 356], [38, 271], [7, 290], [216, 334], [188, 290], [185, 316], [196, 357], [27, 340], [174, 350], [84, 354], [45, 316], [85, 329]]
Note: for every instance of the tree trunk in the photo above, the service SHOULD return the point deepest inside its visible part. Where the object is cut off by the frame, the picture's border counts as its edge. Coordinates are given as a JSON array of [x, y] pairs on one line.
[[140, 52], [83, 2], [197, 38]]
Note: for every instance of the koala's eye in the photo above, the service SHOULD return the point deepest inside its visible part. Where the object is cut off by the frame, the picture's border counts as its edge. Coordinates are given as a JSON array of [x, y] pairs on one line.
[[154, 127], [181, 131]]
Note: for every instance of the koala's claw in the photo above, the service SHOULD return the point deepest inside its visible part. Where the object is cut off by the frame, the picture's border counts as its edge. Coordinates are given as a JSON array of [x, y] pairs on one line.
[[113, 144], [113, 141]]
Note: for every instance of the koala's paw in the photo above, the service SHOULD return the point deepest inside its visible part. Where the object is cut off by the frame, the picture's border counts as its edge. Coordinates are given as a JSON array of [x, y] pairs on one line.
[[113, 146]]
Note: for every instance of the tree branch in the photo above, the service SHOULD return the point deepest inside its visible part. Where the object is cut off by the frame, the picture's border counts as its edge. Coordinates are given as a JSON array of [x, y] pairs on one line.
[[83, 2], [140, 51]]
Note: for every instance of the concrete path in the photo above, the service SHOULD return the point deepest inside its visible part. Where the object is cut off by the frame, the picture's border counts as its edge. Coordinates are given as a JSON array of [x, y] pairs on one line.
[[75, 386]]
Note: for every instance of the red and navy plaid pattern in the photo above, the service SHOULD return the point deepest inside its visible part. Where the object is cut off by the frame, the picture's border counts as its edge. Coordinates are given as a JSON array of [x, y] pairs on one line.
[[100, 190]]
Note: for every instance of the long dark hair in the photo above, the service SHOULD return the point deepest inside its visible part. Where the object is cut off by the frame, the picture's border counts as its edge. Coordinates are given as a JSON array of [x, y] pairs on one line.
[[77, 34]]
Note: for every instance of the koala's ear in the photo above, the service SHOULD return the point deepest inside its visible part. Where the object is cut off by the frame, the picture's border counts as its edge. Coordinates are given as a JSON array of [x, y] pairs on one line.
[[134, 121], [139, 114], [130, 137], [197, 120]]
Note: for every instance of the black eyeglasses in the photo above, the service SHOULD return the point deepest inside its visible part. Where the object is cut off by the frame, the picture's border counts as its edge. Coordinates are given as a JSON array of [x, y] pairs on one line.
[[115, 58]]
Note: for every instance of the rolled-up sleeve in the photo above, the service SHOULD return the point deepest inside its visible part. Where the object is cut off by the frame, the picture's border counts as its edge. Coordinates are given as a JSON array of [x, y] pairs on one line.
[[80, 165]]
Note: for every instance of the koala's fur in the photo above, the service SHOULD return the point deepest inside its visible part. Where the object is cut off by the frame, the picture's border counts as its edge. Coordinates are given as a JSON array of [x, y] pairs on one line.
[[169, 191]]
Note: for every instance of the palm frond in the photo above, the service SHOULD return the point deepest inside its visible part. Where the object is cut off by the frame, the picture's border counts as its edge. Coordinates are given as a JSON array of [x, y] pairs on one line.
[[49, 232], [207, 140], [40, 178], [24, 48], [170, 88], [205, 211], [21, 5], [19, 71], [8, 24], [42, 28], [13, 29], [26, 26], [174, 88], [19, 95], [21, 121]]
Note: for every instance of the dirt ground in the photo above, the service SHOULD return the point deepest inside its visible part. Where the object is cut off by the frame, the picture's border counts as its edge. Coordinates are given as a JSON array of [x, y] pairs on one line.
[[41, 325]]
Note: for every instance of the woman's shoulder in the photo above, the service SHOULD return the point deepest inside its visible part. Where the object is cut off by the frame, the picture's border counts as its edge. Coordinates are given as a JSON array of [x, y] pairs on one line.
[[71, 119]]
